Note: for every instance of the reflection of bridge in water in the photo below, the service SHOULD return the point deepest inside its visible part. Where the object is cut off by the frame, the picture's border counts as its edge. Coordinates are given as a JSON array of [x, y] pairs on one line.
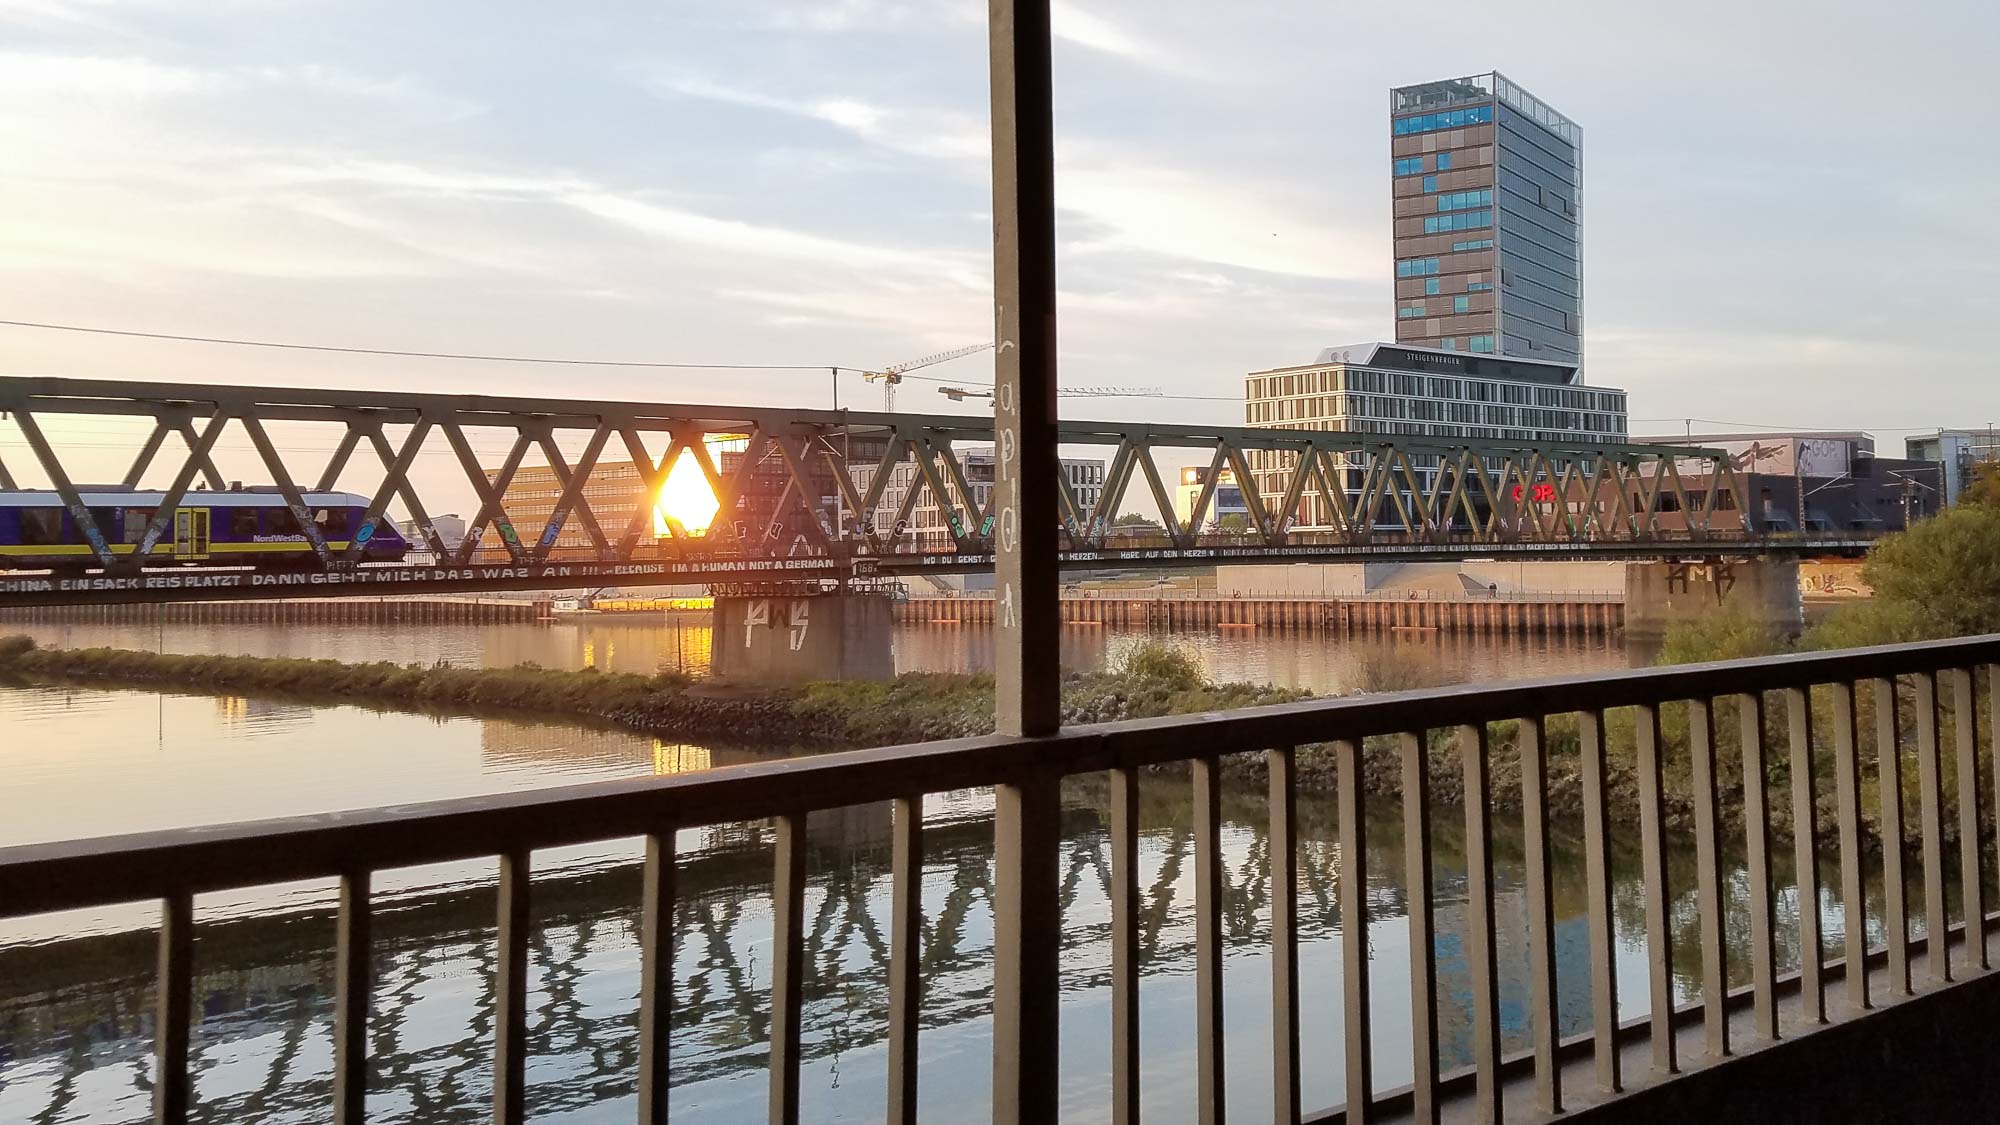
[[265, 986]]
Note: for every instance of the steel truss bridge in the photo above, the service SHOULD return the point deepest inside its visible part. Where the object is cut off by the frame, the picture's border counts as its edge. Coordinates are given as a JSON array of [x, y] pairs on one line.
[[804, 493]]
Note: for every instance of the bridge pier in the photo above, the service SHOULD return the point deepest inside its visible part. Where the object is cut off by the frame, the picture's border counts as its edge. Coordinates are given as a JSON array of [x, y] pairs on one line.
[[1660, 595], [828, 636]]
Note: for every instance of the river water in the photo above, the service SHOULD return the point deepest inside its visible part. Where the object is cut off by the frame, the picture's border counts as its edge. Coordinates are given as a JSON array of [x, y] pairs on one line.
[[75, 1032]]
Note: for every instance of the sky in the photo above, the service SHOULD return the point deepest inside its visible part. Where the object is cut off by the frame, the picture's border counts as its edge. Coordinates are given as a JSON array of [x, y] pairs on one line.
[[1789, 218]]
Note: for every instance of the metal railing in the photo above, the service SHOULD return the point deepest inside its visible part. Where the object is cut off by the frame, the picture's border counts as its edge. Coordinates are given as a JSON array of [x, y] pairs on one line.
[[173, 867]]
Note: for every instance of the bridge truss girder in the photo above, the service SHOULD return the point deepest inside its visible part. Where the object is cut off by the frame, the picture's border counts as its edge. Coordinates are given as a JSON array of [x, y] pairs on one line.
[[1372, 489]]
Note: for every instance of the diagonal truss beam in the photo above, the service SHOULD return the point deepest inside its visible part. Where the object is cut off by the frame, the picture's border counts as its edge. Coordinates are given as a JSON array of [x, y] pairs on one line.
[[86, 520]]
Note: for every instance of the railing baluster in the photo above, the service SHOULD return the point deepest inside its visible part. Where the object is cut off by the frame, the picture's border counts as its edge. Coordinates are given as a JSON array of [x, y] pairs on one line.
[[1027, 935], [1757, 864], [1648, 759], [1889, 772], [1208, 940], [656, 977], [1805, 854], [1543, 1015], [1930, 811], [174, 1010], [1965, 740], [906, 924], [1708, 879], [1597, 880], [1354, 932], [1284, 836], [1853, 884], [510, 993], [788, 965], [351, 985], [1423, 928], [1481, 949], [1125, 947]]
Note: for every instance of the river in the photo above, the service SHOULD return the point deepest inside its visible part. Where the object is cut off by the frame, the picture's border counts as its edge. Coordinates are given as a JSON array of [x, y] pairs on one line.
[[75, 989]]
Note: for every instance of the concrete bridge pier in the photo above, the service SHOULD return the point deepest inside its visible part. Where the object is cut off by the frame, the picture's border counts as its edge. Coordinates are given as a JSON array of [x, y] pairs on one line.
[[1659, 595], [832, 636]]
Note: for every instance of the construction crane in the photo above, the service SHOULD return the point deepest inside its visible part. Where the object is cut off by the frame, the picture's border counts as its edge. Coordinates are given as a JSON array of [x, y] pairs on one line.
[[890, 376], [960, 394]]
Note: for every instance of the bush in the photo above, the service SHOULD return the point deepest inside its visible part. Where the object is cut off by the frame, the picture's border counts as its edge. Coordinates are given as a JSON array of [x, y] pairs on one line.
[[1939, 579], [16, 645], [1728, 635], [1163, 665]]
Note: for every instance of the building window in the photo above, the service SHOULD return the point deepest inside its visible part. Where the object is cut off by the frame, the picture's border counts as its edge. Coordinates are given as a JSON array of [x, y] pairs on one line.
[[1444, 162], [1432, 286], [1449, 119], [1478, 286], [1430, 183], [1482, 343], [1475, 244], [1409, 165], [1408, 312], [1416, 267], [1460, 200], [1449, 344], [1462, 220], [1461, 304]]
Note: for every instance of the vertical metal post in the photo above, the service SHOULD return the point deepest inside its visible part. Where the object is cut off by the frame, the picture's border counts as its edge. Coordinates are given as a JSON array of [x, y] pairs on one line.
[[1027, 931], [1125, 947], [1597, 878], [174, 1011], [1208, 940], [1482, 946], [1889, 772], [656, 977], [1354, 932], [510, 993], [1757, 860], [1423, 929], [351, 985], [1027, 614], [1708, 878], [1543, 1016], [1653, 875], [906, 923], [1965, 740], [788, 966], [1930, 789], [1853, 887], [1284, 832], [1805, 855]]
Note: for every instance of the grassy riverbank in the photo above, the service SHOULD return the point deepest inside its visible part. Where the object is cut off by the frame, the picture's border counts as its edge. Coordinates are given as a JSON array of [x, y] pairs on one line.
[[913, 707]]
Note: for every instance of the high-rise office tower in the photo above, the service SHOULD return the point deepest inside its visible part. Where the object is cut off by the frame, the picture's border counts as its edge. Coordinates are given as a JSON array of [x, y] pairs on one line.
[[1489, 213]]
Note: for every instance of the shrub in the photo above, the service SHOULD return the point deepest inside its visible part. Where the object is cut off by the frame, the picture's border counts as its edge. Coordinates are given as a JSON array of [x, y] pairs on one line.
[[1163, 665], [16, 645]]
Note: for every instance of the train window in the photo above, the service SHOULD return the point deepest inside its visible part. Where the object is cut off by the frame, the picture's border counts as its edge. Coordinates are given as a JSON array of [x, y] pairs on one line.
[[283, 522], [107, 522], [136, 520], [242, 523], [41, 527], [332, 521]]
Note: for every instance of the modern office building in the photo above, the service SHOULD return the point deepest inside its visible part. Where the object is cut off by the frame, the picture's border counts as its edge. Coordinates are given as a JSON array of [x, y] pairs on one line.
[[1225, 504], [1958, 451], [1488, 204], [1397, 389]]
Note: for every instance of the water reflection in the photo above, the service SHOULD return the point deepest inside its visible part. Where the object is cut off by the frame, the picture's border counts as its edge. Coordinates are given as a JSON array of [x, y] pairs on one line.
[[74, 1033], [648, 644]]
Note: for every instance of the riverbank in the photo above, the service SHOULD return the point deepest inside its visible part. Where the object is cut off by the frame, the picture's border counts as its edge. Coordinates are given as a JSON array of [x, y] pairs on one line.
[[913, 707], [1152, 680]]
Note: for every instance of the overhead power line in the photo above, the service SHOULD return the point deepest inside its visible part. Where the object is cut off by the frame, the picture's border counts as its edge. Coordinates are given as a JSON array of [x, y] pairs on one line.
[[416, 354]]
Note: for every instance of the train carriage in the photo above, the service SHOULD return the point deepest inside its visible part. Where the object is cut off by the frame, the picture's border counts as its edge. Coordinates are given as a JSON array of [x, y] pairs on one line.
[[240, 526]]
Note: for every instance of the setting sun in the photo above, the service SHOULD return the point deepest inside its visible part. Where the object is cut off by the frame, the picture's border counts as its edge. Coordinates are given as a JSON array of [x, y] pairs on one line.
[[686, 499]]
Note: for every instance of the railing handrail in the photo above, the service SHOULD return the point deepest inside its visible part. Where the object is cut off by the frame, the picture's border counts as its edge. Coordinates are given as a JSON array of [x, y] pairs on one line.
[[61, 875]]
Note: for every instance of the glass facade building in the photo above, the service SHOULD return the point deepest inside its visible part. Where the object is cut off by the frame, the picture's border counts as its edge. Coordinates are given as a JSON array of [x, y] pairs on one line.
[[1488, 203]]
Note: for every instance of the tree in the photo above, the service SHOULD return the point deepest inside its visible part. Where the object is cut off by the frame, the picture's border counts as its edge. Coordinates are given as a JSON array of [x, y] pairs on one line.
[[1234, 521], [1984, 491], [1134, 519], [1940, 578]]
